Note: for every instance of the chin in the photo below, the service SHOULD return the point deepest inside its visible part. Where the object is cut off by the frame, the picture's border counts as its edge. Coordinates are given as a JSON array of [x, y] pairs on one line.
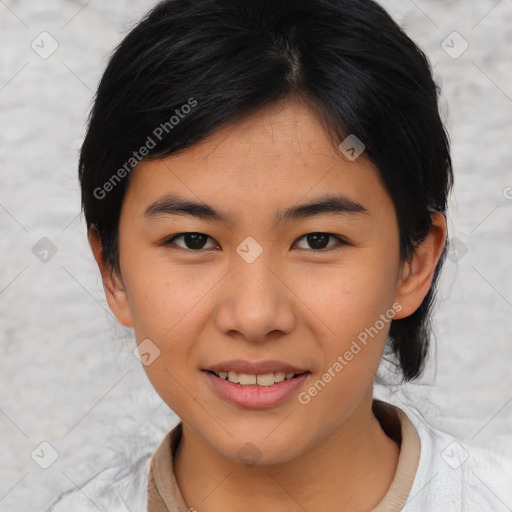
[[257, 448]]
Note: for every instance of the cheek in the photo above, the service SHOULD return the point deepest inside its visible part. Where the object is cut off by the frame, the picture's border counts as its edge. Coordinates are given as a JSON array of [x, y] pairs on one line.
[[355, 304], [165, 305], [347, 297], [171, 305], [163, 296], [355, 307]]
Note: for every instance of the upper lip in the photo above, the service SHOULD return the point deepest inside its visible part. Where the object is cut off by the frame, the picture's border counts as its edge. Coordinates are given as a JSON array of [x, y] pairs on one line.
[[255, 367]]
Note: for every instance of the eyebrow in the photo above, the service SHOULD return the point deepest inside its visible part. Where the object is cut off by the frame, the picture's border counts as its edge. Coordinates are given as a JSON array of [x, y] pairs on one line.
[[171, 204]]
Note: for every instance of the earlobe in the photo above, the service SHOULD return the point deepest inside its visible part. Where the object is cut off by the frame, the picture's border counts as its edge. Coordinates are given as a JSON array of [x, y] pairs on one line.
[[417, 274], [113, 285]]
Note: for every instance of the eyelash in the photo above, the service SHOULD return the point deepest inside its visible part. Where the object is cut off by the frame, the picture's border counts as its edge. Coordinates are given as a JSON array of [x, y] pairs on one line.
[[170, 241]]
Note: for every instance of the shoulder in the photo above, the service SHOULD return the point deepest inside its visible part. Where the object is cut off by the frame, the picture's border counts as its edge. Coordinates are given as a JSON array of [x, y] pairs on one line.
[[120, 488], [453, 475]]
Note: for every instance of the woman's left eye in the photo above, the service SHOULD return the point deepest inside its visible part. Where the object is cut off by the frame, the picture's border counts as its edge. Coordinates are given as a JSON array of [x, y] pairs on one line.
[[319, 240], [196, 241]]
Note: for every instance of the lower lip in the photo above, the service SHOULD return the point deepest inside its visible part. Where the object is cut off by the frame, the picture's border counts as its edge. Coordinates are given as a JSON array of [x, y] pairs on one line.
[[256, 397]]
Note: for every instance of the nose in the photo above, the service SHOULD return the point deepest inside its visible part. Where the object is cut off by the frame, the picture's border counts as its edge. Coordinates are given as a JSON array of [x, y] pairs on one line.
[[257, 304]]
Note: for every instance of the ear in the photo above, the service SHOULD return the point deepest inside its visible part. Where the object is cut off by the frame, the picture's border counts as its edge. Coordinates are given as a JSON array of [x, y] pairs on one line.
[[417, 274], [112, 283]]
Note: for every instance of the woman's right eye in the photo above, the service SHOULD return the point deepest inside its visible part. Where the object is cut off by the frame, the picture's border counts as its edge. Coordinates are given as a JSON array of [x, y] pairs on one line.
[[193, 241]]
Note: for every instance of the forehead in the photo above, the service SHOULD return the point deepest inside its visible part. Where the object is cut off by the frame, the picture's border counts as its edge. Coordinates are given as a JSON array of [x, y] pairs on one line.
[[280, 154]]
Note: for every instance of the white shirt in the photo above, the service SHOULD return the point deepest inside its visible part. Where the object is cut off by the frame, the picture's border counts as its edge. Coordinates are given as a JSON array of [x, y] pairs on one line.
[[451, 477]]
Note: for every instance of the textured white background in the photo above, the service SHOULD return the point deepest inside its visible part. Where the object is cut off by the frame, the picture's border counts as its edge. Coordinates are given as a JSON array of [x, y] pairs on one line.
[[67, 372]]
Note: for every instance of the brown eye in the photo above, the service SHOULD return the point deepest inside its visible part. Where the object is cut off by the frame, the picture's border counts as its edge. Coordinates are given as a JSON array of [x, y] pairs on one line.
[[192, 241], [319, 241]]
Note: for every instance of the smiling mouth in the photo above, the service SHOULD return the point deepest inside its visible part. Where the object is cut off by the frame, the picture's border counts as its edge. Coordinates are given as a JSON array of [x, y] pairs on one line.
[[261, 380]]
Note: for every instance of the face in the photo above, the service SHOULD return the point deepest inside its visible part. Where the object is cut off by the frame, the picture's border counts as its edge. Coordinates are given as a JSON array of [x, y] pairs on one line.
[[261, 283]]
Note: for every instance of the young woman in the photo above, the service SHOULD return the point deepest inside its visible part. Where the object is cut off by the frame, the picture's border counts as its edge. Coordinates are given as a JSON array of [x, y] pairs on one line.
[[265, 186]]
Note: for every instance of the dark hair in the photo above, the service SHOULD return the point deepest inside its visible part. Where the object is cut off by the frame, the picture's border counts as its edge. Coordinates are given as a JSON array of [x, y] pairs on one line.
[[225, 59]]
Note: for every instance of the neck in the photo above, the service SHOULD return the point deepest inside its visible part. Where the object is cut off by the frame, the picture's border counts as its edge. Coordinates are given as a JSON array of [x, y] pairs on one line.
[[351, 469]]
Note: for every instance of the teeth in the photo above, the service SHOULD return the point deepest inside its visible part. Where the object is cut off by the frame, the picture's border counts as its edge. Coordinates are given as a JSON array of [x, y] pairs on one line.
[[246, 379], [265, 380], [280, 376], [233, 377]]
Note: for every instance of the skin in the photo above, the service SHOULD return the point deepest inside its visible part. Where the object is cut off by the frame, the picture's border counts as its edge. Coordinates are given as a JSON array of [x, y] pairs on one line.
[[296, 303]]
